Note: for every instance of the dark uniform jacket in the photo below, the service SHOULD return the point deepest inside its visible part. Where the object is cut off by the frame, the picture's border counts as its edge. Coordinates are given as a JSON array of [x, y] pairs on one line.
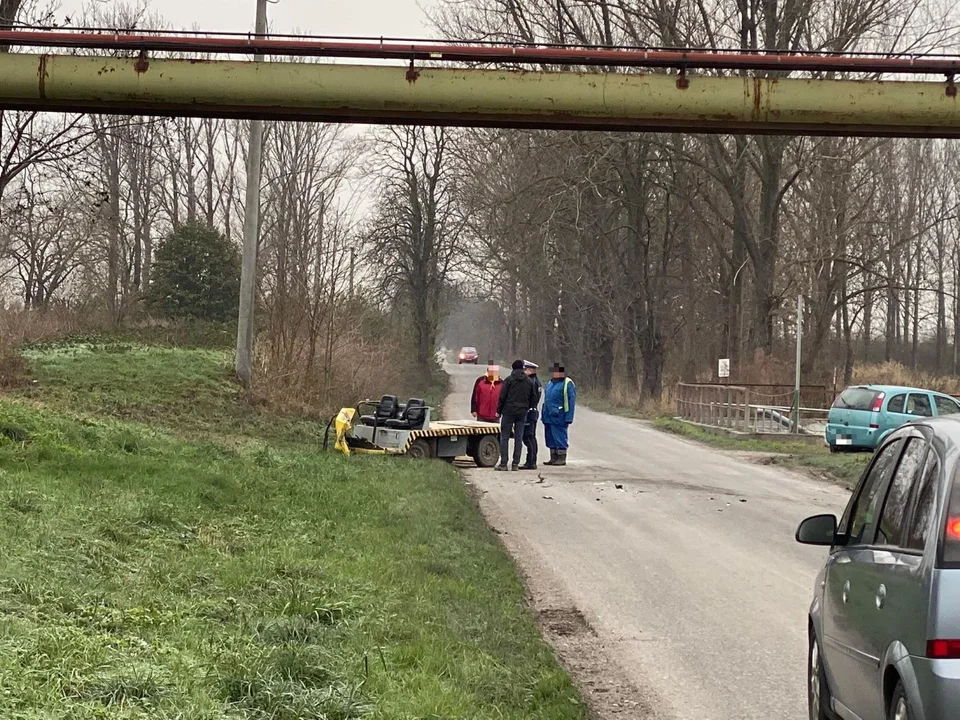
[[517, 395]]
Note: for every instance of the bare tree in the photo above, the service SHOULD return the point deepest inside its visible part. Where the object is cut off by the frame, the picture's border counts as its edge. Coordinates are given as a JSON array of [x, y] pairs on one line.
[[46, 229], [414, 240]]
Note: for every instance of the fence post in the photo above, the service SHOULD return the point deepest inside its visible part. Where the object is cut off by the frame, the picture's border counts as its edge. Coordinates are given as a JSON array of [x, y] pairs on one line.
[[701, 413], [746, 410]]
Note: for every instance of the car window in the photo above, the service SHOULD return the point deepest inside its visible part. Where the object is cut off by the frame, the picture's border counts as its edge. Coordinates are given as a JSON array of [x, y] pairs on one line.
[[864, 508], [890, 527], [922, 520], [896, 403], [946, 406], [919, 405], [856, 399]]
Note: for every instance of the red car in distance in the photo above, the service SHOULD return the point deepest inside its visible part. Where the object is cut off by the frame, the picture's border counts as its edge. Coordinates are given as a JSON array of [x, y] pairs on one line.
[[468, 355]]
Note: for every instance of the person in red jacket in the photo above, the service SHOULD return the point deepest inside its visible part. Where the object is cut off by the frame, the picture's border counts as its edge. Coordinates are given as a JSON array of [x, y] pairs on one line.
[[486, 395]]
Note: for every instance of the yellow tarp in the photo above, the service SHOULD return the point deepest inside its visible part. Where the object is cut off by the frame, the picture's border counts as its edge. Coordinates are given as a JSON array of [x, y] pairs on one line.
[[343, 424]]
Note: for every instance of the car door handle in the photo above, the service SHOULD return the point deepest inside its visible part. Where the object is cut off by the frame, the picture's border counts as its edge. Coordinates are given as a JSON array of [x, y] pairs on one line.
[[881, 596], [846, 591]]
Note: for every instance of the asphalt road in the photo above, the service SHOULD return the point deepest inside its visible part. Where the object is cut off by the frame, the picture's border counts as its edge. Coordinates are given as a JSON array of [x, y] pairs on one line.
[[689, 575]]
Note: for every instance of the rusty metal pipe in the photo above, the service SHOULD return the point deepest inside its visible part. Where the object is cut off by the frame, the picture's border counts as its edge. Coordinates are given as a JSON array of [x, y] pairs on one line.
[[488, 54], [477, 97]]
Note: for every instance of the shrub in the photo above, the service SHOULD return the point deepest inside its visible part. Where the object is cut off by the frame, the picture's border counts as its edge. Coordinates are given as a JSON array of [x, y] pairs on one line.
[[196, 274]]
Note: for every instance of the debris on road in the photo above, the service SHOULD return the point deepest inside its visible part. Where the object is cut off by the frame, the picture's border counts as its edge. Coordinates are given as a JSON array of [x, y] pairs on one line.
[[618, 486], [548, 497]]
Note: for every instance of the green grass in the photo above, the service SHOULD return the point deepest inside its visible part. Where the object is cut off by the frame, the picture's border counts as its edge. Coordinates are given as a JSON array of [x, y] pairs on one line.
[[145, 574], [843, 468], [189, 391]]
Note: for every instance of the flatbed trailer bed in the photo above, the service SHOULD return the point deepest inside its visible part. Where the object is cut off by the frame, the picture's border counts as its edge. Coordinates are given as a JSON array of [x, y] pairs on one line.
[[443, 439]]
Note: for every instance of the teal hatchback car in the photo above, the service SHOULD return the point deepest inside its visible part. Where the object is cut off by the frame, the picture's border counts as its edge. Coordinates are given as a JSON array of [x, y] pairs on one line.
[[863, 415]]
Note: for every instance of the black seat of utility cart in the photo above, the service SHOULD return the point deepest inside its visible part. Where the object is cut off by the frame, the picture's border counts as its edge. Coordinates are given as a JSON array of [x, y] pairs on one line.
[[386, 410], [412, 416]]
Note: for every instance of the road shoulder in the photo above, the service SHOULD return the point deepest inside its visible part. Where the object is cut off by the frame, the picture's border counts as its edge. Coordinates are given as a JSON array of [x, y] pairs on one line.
[[605, 687]]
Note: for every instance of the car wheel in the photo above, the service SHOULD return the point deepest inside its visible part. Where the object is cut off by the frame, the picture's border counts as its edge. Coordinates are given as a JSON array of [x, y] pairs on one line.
[[818, 693], [487, 452], [899, 706], [420, 449]]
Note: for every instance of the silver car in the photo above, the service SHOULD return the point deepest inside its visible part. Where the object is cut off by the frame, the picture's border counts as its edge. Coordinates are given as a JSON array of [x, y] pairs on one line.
[[885, 619]]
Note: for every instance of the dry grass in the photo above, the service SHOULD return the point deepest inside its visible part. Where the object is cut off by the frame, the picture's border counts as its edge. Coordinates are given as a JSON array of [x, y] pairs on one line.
[[360, 369], [892, 373], [620, 401], [21, 327], [367, 357]]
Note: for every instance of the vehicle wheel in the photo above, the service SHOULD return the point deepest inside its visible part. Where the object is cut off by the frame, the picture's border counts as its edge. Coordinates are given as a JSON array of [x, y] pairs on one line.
[[899, 707], [834, 449], [420, 449], [488, 452], [818, 693]]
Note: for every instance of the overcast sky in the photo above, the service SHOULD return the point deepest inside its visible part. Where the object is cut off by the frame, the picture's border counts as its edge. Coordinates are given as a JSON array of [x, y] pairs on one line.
[[399, 18], [373, 18]]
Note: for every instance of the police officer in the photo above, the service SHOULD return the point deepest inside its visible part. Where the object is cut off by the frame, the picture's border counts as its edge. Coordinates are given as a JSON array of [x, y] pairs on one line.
[[530, 429]]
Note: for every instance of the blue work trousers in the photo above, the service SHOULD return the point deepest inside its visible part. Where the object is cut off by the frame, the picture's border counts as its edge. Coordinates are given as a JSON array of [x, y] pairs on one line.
[[556, 436]]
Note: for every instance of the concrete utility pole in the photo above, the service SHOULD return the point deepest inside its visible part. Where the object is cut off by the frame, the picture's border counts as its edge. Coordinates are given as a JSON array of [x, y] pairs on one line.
[[796, 390], [251, 238]]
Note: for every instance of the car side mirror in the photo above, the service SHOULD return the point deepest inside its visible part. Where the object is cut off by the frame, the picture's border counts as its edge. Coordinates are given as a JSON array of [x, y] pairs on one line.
[[818, 530]]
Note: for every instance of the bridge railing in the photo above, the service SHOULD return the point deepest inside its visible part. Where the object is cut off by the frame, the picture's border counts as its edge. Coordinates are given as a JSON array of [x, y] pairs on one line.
[[738, 408]]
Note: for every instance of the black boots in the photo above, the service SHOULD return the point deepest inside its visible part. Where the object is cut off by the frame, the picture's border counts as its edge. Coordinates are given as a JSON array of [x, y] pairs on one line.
[[557, 458]]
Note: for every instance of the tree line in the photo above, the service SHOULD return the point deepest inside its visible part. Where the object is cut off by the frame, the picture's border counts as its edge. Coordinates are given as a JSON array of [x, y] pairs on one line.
[[636, 259], [642, 258]]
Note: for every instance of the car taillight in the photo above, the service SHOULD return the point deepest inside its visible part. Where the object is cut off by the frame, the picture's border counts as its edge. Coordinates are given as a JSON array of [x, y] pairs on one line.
[[950, 544], [943, 649], [953, 528], [877, 403]]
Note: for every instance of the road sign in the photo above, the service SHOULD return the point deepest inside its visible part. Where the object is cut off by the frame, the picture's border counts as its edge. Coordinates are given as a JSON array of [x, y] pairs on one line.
[[724, 368]]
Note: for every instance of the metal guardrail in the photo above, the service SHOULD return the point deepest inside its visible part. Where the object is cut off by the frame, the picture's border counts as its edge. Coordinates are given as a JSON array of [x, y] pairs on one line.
[[732, 407]]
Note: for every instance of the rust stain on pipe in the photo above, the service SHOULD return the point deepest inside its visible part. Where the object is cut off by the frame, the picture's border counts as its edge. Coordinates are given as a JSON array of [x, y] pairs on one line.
[[142, 64], [42, 76], [412, 74]]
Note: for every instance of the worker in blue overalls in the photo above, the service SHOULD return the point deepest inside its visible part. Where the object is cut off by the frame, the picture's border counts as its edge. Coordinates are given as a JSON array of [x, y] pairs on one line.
[[559, 404]]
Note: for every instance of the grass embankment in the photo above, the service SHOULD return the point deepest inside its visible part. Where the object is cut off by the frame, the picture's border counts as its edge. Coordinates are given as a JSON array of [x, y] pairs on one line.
[[148, 574], [844, 468]]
